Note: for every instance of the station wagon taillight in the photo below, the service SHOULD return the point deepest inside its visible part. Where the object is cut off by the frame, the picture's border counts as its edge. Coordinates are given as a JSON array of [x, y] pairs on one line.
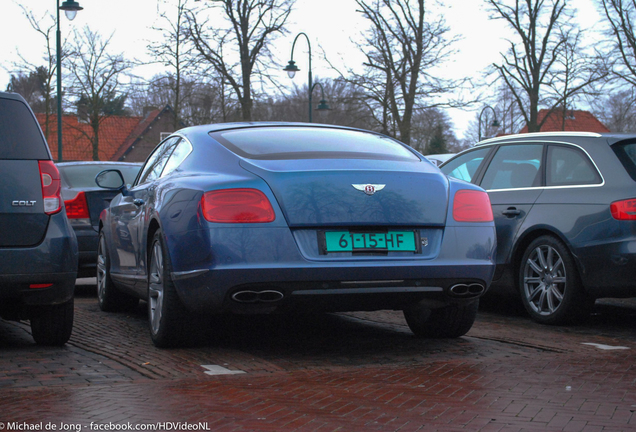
[[237, 206], [472, 206], [624, 210], [77, 208], [51, 187]]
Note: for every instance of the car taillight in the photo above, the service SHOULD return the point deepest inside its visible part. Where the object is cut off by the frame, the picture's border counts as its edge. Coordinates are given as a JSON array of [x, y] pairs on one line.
[[472, 206], [77, 208], [51, 187], [624, 210], [237, 206]]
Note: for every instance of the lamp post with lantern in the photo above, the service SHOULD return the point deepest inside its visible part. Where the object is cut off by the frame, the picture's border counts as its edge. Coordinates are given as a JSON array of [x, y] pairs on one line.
[[70, 8]]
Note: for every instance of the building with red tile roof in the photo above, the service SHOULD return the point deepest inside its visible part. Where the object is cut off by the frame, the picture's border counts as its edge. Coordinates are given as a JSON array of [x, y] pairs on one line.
[[575, 121], [121, 138]]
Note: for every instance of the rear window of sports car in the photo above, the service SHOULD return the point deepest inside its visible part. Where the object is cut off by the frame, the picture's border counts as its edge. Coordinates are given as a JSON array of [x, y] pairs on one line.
[[275, 143]]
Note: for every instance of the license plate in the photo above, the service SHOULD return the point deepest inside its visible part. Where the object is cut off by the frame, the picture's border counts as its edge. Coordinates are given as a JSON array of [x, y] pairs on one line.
[[345, 241]]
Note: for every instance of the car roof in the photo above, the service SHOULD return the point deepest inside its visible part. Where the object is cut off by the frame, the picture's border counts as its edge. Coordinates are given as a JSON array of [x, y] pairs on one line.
[[215, 127], [14, 96], [610, 138]]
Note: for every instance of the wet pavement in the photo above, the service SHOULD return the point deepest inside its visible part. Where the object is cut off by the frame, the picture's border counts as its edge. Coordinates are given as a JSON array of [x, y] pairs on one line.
[[359, 371]]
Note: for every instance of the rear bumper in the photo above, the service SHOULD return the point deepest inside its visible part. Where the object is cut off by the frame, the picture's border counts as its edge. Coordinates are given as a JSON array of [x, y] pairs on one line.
[[87, 240], [367, 287], [466, 257], [51, 264], [609, 269]]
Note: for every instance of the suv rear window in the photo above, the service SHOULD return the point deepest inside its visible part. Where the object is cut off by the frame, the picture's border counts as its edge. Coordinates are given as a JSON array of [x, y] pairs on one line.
[[627, 155], [275, 143], [20, 134]]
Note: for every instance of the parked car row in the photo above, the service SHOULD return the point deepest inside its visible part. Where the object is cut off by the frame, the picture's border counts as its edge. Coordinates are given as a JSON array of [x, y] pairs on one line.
[[288, 217]]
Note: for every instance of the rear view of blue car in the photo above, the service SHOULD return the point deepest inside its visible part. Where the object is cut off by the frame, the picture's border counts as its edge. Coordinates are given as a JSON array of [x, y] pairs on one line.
[[38, 250], [269, 217]]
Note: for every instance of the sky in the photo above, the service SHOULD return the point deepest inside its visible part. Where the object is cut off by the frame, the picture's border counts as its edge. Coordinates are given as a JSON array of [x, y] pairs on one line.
[[330, 25]]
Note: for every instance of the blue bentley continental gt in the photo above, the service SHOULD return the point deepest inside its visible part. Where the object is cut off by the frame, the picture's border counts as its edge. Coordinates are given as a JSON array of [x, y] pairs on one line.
[[275, 217]]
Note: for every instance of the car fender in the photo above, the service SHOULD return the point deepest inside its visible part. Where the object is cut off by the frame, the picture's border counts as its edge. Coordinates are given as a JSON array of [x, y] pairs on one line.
[[527, 234]]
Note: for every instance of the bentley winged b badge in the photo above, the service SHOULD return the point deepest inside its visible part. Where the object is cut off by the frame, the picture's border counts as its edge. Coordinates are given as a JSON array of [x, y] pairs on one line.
[[369, 189]]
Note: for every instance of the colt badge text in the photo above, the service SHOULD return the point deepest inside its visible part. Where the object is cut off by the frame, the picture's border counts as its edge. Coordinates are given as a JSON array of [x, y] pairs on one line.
[[18, 203]]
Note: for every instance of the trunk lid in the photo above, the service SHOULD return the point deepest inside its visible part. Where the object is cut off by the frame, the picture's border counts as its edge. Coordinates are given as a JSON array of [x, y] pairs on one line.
[[328, 192]]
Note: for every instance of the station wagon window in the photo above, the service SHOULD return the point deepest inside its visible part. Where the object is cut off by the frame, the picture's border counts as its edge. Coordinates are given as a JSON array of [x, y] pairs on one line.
[[465, 166], [570, 166], [627, 155], [277, 143], [514, 167]]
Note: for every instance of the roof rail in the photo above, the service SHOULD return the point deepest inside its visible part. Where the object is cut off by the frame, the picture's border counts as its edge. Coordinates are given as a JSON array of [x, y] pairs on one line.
[[539, 134]]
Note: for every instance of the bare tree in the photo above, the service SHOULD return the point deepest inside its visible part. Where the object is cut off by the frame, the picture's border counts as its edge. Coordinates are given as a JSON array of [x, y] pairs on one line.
[[345, 100], [617, 111], [432, 131], [240, 49], [543, 35], [47, 71], [175, 52], [404, 45], [621, 15], [96, 84]]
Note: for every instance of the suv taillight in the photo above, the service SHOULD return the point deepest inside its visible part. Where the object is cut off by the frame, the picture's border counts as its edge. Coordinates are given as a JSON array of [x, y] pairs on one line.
[[237, 206], [472, 206], [624, 210], [51, 187], [77, 208]]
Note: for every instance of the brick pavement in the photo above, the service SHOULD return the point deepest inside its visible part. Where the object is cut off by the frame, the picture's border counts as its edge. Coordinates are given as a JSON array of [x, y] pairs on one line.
[[360, 372]]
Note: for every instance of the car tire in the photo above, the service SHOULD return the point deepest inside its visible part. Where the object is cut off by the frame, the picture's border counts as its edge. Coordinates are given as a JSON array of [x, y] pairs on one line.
[[109, 298], [550, 285], [451, 321], [171, 324], [52, 325]]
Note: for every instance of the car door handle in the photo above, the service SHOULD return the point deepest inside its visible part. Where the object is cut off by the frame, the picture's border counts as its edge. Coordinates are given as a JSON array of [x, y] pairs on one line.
[[138, 202], [511, 212]]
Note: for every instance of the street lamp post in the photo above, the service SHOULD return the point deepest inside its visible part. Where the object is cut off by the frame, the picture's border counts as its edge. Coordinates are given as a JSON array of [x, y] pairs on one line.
[[291, 68], [70, 9], [495, 123], [322, 106]]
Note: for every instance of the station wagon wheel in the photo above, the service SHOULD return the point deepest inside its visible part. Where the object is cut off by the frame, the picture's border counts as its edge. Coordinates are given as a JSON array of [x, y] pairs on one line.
[[109, 298], [170, 322], [451, 321], [550, 285]]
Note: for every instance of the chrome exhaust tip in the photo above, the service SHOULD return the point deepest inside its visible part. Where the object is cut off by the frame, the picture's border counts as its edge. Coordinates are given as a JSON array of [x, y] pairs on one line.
[[467, 290], [265, 296]]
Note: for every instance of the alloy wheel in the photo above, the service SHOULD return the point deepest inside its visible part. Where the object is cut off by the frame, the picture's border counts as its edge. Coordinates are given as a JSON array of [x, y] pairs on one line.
[[156, 287], [544, 280]]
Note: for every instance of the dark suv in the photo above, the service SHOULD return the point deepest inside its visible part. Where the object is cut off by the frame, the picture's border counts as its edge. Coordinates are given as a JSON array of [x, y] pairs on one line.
[[38, 249], [565, 212]]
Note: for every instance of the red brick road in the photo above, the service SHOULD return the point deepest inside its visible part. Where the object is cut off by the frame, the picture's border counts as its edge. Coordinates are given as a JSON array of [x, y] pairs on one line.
[[360, 372]]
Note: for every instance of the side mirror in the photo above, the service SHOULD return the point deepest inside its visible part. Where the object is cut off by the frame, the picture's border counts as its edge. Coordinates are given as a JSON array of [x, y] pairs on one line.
[[111, 179]]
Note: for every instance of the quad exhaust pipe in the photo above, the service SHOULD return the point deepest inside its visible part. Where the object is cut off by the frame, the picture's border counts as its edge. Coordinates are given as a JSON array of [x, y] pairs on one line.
[[265, 296], [467, 290]]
